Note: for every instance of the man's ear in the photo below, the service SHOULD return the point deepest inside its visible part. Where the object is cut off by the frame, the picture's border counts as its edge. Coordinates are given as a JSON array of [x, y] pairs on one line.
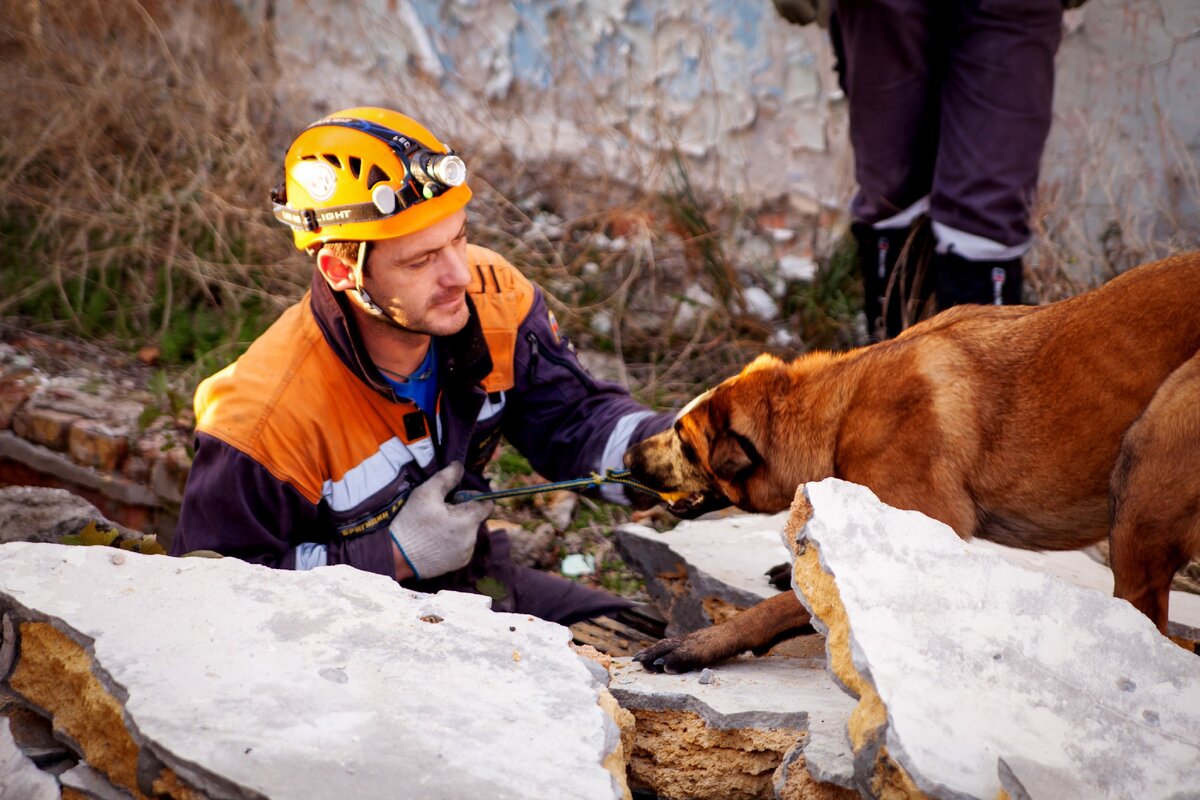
[[731, 456], [339, 274]]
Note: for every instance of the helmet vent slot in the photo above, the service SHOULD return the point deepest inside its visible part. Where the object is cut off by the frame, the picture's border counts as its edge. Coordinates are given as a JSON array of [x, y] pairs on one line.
[[355, 165], [332, 159], [376, 175], [309, 157]]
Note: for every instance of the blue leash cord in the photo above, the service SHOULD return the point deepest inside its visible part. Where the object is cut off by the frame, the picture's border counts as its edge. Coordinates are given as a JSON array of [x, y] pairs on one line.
[[620, 476]]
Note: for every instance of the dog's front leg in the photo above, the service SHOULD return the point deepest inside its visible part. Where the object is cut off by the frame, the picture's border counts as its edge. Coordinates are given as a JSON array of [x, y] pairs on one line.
[[753, 628]]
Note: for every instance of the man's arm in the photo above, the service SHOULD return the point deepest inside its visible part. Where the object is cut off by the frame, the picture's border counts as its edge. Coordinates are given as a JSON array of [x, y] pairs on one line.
[[232, 504], [567, 423]]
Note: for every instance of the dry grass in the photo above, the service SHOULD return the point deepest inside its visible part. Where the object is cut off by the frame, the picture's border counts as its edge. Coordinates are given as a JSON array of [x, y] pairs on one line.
[[1141, 222], [141, 139], [135, 149]]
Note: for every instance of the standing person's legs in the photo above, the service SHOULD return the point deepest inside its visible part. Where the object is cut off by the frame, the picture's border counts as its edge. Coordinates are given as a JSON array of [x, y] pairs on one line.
[[891, 82], [995, 116]]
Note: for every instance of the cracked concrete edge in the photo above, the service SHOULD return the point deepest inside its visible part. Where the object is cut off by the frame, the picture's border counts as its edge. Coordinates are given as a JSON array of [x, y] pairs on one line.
[[193, 775], [708, 586], [877, 772], [22, 780], [92, 783], [674, 701], [1023, 779], [645, 550], [620, 750], [790, 758], [828, 753]]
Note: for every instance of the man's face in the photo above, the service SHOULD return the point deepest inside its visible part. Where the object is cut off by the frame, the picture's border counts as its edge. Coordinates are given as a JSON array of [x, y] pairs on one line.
[[421, 279]]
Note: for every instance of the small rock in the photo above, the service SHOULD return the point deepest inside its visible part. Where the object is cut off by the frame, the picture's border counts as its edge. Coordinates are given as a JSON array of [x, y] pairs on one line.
[[797, 268], [149, 355], [707, 676], [760, 303], [533, 548], [39, 514], [559, 508], [578, 564]]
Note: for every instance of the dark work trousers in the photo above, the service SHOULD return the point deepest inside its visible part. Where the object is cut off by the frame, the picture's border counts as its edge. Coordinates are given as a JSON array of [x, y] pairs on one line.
[[521, 590], [950, 100]]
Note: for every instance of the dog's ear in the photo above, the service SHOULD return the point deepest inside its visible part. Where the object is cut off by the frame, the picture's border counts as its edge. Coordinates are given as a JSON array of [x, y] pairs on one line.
[[732, 456]]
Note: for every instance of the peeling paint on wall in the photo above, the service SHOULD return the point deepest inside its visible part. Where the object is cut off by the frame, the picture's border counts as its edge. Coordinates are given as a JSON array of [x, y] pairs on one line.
[[749, 100]]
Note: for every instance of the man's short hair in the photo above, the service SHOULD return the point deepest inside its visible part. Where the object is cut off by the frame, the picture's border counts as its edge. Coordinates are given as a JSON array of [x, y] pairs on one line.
[[346, 251]]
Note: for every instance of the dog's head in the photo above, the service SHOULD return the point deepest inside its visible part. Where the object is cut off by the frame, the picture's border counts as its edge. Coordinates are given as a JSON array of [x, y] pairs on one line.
[[721, 449]]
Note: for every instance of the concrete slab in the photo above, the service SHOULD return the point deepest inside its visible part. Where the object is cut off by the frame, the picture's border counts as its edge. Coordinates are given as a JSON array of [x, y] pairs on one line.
[[738, 729], [698, 566], [1081, 569], [703, 571], [243, 681], [962, 659]]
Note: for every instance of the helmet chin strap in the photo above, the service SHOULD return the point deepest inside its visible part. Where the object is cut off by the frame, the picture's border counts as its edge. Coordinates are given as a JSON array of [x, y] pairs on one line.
[[363, 300]]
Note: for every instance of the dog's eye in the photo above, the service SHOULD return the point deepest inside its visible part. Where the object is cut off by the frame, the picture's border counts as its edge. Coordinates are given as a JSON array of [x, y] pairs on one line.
[[689, 452]]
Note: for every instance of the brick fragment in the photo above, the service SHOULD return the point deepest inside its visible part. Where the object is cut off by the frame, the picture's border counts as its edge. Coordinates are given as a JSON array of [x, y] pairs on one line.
[[43, 426], [15, 389], [96, 444]]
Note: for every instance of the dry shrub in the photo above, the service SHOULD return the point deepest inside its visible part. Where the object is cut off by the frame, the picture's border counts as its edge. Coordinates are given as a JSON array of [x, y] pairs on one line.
[[621, 267], [135, 148], [140, 139], [1107, 214]]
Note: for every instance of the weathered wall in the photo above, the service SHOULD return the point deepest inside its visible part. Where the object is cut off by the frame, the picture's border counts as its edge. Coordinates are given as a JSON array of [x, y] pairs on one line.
[[748, 98]]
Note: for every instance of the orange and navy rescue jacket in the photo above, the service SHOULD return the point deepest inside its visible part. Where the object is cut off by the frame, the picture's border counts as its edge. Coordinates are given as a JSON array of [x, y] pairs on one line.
[[301, 440]]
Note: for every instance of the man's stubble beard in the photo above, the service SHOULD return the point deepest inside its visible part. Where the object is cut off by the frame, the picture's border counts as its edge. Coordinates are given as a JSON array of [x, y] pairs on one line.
[[423, 325]]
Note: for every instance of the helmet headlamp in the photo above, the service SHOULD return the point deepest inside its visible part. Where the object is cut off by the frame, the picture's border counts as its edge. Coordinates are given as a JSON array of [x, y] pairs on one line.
[[428, 173]]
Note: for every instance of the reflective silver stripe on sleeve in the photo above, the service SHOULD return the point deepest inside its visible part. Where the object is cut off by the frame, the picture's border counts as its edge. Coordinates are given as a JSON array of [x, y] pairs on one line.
[[490, 409], [375, 472], [311, 555], [614, 453]]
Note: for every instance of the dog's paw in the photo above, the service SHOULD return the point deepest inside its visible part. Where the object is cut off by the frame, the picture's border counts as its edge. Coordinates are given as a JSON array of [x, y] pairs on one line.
[[780, 576], [673, 655]]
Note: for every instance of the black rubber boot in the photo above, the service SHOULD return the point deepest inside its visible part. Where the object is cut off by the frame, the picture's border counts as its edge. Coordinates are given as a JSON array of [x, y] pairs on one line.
[[961, 281], [904, 294]]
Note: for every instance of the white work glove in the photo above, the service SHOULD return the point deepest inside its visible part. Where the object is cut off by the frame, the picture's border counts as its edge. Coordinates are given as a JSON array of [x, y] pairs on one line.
[[433, 535]]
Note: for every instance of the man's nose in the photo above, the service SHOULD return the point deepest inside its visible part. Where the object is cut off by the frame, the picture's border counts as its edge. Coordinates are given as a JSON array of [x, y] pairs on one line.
[[454, 268]]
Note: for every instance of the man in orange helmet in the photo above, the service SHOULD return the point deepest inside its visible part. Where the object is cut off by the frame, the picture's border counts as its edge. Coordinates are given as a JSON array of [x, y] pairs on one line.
[[337, 436]]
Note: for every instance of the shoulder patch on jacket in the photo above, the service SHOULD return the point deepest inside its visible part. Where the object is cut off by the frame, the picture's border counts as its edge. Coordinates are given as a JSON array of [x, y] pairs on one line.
[[502, 298]]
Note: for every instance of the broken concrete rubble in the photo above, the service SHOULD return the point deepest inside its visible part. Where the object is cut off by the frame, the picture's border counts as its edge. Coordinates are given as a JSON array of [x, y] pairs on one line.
[[173, 676], [740, 734], [40, 514], [975, 675], [20, 779], [705, 571]]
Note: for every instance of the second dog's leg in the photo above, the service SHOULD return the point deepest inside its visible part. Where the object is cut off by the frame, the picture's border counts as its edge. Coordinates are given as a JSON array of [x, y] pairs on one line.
[[1156, 495]]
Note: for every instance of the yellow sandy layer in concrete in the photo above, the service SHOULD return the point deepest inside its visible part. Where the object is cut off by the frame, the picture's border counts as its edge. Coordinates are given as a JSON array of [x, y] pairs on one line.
[[617, 762], [869, 718], [55, 674], [675, 581], [677, 755], [168, 784], [801, 785]]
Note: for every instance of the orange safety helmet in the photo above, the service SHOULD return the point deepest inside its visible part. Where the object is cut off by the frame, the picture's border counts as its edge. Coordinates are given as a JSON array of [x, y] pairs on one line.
[[366, 174]]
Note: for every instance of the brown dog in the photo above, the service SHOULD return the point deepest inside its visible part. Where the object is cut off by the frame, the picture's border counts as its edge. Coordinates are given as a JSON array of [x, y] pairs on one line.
[[1041, 427]]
